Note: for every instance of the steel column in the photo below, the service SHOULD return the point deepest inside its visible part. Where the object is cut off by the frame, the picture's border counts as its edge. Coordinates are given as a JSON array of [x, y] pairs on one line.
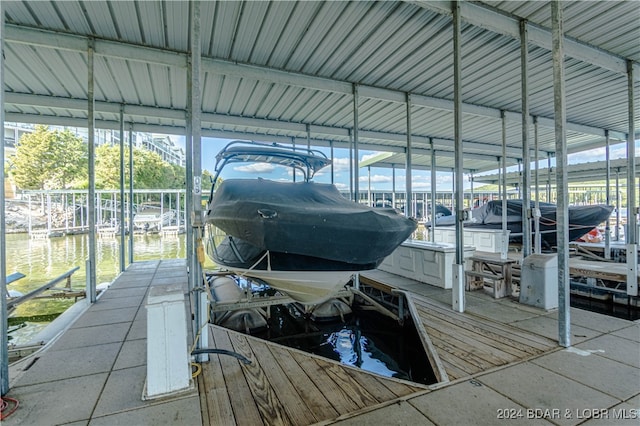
[[332, 160], [562, 212], [351, 196], [369, 186], [458, 296], [130, 195], [548, 177], [632, 206], [505, 232], [536, 218], [408, 206], [471, 183], [196, 254], [4, 331], [122, 200], [433, 191], [356, 156], [607, 194], [91, 210], [617, 232], [526, 159], [293, 146], [393, 186]]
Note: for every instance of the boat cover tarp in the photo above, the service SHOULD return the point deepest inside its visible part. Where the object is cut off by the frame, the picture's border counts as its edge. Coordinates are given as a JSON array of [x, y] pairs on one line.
[[582, 219], [307, 219]]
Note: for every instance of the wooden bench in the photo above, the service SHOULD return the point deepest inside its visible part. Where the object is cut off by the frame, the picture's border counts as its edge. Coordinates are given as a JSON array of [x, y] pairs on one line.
[[490, 272]]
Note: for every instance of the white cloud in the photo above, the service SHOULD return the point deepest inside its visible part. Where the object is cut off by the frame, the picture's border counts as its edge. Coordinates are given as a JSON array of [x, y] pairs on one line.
[[255, 168], [340, 164]]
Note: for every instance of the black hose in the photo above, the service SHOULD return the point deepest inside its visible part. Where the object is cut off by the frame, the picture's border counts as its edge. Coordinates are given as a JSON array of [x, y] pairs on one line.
[[221, 352]]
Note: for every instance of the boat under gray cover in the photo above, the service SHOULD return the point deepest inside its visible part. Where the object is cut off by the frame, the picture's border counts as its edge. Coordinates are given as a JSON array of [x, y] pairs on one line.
[[582, 219], [307, 219]]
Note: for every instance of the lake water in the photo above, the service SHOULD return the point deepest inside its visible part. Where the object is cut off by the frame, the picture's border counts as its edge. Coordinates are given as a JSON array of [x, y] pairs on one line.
[[42, 260]]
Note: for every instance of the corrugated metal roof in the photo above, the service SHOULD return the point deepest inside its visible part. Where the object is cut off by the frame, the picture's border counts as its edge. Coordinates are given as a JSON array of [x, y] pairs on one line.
[[272, 68], [592, 171]]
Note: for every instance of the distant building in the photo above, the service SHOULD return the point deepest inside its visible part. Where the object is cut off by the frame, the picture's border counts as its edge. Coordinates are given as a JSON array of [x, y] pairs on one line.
[[163, 146], [160, 144]]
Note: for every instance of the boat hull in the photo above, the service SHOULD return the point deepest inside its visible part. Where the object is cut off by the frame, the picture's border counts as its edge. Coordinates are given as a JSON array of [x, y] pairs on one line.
[[306, 287]]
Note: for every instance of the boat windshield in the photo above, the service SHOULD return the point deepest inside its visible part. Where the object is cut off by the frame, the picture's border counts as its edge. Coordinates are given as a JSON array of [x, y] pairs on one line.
[[306, 160]]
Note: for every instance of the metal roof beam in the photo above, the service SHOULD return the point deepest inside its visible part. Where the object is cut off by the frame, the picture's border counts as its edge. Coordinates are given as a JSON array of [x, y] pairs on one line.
[[132, 52], [501, 23], [224, 119]]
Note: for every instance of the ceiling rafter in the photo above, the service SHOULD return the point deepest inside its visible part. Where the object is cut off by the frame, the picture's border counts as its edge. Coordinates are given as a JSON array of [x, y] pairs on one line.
[[133, 52]]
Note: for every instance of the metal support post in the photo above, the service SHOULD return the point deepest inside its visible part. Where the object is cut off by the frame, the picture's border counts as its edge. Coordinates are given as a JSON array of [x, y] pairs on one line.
[[130, 196], [458, 296], [536, 218], [91, 210], [632, 206], [562, 215], [433, 190], [408, 211], [4, 331], [122, 199], [505, 232], [393, 186], [332, 160], [607, 194], [197, 253], [526, 159], [356, 142], [369, 201]]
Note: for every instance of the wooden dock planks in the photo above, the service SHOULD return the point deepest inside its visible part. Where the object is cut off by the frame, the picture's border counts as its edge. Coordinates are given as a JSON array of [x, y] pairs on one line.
[[468, 344], [284, 386]]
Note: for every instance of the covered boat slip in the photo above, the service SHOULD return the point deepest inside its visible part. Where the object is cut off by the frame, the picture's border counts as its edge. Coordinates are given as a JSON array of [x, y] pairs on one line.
[[94, 374]]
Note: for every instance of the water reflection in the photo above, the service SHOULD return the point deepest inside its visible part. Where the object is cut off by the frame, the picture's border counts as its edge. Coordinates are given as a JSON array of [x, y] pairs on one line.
[[44, 259], [357, 350]]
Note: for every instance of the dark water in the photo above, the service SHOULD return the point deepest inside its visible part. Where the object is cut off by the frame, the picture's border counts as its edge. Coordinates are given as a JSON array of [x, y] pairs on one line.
[[367, 340], [606, 307]]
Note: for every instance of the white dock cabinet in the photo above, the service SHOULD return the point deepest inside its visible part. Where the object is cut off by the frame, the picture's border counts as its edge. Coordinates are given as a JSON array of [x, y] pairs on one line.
[[487, 240], [424, 261]]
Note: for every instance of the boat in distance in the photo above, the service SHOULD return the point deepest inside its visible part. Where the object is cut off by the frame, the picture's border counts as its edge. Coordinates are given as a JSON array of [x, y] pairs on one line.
[[582, 219], [302, 238]]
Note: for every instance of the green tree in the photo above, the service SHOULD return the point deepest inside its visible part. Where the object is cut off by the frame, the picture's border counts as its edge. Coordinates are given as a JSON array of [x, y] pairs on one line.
[[149, 170], [49, 160]]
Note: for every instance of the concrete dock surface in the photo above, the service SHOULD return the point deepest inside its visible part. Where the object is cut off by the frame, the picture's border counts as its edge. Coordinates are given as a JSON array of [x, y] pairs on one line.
[[94, 373]]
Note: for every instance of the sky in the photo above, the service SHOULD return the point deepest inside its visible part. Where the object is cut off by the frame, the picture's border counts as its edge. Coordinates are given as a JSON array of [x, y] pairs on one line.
[[381, 178]]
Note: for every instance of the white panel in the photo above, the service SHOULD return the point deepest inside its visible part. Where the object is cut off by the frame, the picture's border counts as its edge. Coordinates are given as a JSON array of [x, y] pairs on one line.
[[167, 352]]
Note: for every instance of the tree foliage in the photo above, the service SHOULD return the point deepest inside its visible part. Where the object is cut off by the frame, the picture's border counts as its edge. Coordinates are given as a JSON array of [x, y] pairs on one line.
[[149, 170], [48, 160]]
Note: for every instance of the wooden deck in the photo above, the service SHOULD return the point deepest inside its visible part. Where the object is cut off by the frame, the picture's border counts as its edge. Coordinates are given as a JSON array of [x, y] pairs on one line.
[[284, 386], [468, 344]]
